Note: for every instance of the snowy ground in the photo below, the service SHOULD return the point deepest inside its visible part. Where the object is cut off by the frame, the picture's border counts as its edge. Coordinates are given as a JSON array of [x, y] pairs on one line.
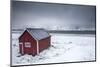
[[64, 48]]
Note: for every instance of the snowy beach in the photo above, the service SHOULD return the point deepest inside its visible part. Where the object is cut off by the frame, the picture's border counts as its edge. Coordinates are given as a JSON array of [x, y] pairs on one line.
[[64, 48]]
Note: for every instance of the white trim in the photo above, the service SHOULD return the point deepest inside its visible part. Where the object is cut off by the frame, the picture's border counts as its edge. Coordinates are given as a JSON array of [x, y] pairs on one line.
[[31, 34], [22, 49], [37, 46]]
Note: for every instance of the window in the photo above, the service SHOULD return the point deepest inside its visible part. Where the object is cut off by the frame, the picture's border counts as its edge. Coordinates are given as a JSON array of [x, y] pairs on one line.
[[27, 44]]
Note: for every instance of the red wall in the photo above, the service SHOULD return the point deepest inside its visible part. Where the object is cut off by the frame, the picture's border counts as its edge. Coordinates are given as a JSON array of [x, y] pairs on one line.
[[44, 43], [26, 37]]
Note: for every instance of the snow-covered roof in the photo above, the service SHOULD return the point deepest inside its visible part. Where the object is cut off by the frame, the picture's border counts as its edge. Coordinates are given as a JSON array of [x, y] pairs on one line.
[[38, 33]]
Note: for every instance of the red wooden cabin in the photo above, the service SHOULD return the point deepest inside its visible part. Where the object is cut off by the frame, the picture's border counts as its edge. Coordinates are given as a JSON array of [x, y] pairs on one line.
[[33, 41]]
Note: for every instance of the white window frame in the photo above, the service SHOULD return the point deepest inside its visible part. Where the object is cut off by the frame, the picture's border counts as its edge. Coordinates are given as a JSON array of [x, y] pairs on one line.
[[28, 44]]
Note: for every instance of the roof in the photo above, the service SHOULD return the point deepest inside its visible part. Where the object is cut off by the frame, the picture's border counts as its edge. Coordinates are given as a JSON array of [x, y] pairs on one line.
[[38, 33]]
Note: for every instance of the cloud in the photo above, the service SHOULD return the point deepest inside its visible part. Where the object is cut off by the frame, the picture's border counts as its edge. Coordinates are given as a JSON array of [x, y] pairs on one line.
[[45, 14]]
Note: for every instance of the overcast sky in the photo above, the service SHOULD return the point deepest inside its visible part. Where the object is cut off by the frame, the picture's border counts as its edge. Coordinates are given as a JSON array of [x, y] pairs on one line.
[[43, 15]]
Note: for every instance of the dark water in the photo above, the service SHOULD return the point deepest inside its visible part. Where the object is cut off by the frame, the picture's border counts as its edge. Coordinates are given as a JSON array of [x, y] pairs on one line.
[[65, 32], [74, 32]]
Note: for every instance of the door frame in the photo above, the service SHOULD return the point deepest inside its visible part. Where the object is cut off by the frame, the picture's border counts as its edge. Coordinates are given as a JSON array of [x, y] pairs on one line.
[[22, 47]]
